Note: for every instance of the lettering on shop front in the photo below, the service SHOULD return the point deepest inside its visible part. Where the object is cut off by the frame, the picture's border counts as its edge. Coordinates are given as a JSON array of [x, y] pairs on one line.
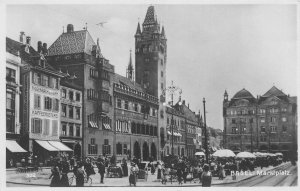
[[44, 114], [43, 90]]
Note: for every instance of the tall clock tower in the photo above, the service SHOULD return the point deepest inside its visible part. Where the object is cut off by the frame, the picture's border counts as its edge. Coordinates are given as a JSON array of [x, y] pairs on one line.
[[151, 54], [150, 66]]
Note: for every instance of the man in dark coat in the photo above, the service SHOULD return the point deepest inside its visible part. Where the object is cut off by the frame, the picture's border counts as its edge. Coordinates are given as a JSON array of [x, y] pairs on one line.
[[101, 169], [64, 182], [124, 167]]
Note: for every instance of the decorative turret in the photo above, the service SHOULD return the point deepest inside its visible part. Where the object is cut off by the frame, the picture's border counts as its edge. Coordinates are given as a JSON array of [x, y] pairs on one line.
[[138, 30], [130, 70], [163, 35], [225, 96]]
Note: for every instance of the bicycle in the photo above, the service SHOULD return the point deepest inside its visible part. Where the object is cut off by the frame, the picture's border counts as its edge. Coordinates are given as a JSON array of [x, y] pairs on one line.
[[88, 181]]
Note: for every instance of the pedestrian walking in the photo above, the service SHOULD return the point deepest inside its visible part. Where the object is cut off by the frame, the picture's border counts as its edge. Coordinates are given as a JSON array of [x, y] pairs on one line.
[[206, 176], [79, 173], [200, 173], [152, 167], [101, 169], [158, 170], [55, 175], [133, 174], [72, 162], [164, 174], [179, 174], [124, 167], [88, 167], [64, 182]]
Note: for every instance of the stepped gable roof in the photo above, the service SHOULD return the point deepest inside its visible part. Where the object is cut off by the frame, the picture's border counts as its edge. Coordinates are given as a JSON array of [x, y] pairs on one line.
[[72, 42], [243, 94], [274, 91], [117, 78]]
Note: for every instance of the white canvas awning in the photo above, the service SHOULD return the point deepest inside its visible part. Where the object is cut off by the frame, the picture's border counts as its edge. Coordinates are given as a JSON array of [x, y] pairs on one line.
[[46, 145], [60, 146], [14, 147]]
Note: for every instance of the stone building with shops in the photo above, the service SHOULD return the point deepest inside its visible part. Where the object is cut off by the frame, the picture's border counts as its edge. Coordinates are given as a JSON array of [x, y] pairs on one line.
[[267, 123], [13, 94], [135, 119], [76, 53], [71, 114]]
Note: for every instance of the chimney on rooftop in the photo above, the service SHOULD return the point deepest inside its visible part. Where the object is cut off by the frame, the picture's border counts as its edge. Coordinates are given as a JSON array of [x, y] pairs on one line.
[[70, 28], [39, 46], [45, 50], [22, 37], [28, 39]]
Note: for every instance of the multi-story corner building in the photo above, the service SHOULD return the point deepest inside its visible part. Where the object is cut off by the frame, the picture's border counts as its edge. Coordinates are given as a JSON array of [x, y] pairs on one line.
[[76, 53], [13, 93], [71, 115], [267, 123], [176, 132], [135, 119], [150, 64], [40, 116]]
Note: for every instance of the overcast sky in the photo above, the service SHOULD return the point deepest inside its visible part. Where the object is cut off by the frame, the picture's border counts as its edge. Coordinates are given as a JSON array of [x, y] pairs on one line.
[[210, 47]]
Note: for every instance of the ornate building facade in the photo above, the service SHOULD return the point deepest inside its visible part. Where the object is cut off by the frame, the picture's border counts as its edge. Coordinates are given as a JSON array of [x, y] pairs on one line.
[[267, 123]]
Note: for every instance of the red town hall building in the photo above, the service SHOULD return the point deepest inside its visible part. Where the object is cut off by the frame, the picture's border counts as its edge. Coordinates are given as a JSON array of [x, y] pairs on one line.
[[267, 123]]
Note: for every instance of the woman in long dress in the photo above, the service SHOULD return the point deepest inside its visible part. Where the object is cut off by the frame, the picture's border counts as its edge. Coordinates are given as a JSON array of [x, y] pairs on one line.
[[55, 175]]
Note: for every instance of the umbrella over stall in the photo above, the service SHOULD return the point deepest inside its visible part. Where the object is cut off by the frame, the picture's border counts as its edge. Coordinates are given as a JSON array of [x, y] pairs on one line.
[[199, 154], [245, 155], [223, 153]]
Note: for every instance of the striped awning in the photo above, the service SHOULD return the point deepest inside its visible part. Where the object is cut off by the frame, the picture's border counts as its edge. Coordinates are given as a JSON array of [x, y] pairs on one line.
[[93, 124], [46, 145], [106, 126], [14, 147], [60, 146]]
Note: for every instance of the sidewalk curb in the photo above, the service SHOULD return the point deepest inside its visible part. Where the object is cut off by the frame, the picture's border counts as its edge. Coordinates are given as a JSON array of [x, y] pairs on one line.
[[196, 185]]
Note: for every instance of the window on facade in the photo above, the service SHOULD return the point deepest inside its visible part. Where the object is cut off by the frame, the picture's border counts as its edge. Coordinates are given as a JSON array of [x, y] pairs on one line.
[[10, 75], [133, 128], [48, 103], [37, 78], [119, 103], [106, 150], [262, 129], [63, 93], [63, 110], [55, 105], [93, 73], [46, 127], [151, 131], [77, 96], [125, 149], [162, 62], [135, 107], [119, 149], [45, 80], [54, 127], [77, 110], [92, 147], [273, 119], [10, 100], [283, 109], [234, 130], [233, 121], [64, 129], [138, 128], [273, 128], [263, 138], [71, 130], [36, 125], [155, 131], [71, 112], [10, 122], [53, 83], [162, 74], [154, 112], [284, 119], [37, 101], [126, 104], [262, 120], [71, 95], [284, 128], [77, 131], [162, 86]]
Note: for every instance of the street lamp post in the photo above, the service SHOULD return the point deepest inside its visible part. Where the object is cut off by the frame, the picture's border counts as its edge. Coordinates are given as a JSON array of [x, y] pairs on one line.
[[172, 90], [205, 132]]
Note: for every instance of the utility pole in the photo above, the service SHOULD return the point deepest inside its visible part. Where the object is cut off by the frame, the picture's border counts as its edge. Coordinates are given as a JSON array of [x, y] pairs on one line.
[[205, 132]]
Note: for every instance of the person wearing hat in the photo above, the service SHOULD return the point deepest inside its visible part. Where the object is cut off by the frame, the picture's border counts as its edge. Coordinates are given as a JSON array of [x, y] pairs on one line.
[[206, 176], [101, 169], [133, 173]]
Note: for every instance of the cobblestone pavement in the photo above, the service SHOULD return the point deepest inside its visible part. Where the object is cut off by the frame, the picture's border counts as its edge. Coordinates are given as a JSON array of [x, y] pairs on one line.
[[41, 178]]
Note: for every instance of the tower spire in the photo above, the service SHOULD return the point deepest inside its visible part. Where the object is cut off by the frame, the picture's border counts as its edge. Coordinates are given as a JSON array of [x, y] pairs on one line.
[[130, 69], [138, 30]]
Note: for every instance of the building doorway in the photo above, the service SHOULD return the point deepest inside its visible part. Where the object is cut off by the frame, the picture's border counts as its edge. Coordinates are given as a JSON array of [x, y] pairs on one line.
[[137, 150], [153, 151], [145, 151]]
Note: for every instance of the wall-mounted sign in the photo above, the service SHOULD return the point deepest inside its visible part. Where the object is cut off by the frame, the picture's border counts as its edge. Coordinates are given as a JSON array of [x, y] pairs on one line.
[[44, 114], [45, 91]]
